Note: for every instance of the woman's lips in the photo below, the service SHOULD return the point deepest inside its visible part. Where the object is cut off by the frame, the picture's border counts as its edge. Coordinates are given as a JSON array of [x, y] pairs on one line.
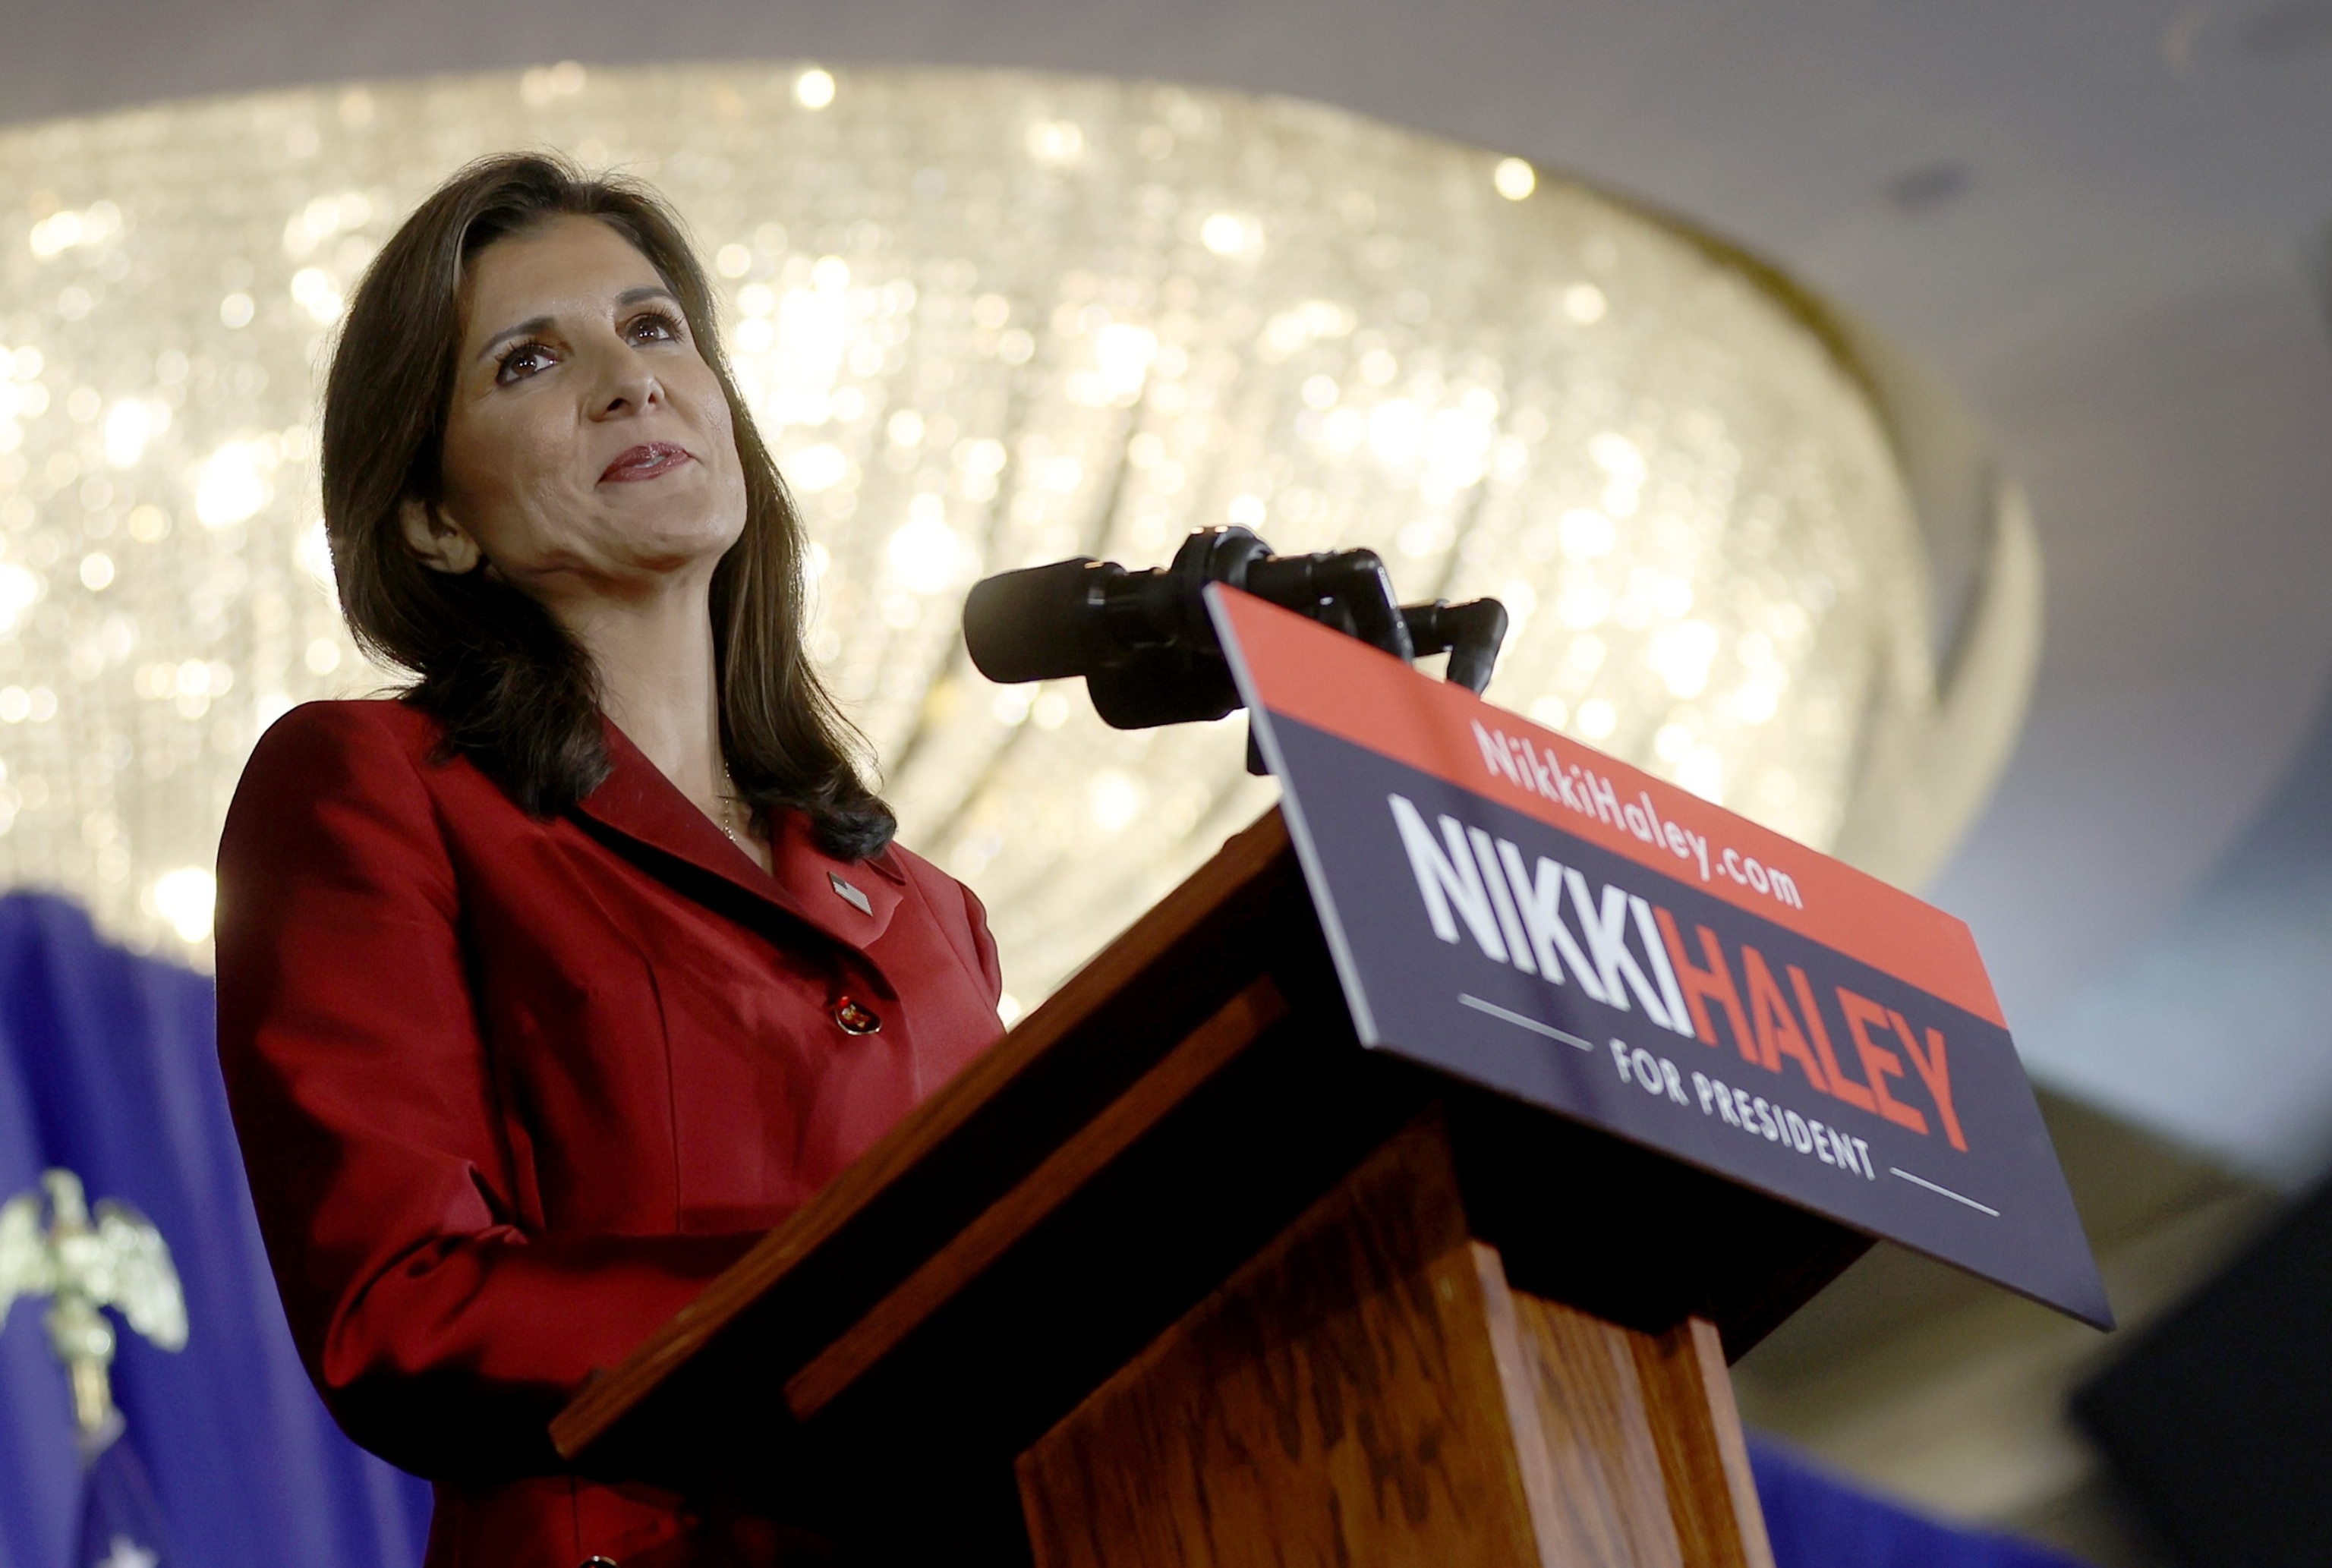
[[646, 462]]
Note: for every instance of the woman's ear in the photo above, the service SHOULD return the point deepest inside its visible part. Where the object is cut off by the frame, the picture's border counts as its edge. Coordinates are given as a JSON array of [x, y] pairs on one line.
[[442, 544]]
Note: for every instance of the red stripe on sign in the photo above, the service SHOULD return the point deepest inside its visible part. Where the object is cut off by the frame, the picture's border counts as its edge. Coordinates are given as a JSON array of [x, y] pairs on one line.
[[1353, 692]]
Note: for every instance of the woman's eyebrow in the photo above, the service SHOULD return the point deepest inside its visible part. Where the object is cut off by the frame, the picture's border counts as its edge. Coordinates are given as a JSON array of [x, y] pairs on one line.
[[526, 329]]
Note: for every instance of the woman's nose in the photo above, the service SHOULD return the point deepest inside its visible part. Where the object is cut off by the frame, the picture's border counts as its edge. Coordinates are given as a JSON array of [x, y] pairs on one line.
[[626, 385]]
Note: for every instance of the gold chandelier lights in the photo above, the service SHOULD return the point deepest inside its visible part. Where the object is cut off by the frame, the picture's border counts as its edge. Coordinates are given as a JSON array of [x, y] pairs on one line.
[[986, 319]]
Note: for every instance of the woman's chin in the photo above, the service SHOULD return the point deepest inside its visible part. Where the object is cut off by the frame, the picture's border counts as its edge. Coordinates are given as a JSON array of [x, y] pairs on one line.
[[680, 510], [675, 555], [675, 538]]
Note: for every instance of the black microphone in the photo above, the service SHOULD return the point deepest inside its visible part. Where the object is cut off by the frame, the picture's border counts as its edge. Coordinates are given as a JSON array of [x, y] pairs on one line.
[[1147, 650]]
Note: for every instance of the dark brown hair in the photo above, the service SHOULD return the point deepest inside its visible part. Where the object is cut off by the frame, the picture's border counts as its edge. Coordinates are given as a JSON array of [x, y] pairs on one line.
[[517, 693]]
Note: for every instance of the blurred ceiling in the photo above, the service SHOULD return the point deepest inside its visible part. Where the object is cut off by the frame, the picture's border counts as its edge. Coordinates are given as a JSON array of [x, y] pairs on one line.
[[2103, 222]]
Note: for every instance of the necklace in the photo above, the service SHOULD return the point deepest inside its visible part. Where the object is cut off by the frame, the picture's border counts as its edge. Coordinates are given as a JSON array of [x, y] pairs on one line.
[[729, 803]]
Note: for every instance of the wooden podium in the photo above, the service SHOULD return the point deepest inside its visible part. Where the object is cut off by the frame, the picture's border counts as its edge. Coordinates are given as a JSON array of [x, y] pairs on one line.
[[1180, 1273]]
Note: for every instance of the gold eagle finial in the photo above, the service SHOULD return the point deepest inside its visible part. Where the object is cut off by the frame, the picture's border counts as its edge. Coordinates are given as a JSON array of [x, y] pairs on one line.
[[83, 1262]]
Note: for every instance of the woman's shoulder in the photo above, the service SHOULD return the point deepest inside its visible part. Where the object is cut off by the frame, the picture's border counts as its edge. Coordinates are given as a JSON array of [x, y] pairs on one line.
[[953, 903], [360, 723], [320, 752], [919, 873]]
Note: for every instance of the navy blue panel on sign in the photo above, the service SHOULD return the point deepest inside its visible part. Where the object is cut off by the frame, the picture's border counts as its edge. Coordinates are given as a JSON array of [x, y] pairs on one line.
[[1500, 949]]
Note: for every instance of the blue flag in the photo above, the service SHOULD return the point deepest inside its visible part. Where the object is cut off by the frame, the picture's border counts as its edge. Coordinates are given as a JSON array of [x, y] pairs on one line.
[[109, 1067]]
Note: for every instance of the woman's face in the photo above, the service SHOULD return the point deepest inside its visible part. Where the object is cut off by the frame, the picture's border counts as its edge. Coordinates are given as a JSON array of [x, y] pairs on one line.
[[588, 450]]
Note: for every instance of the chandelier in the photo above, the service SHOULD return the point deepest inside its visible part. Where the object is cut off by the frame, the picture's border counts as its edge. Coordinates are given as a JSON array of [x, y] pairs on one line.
[[986, 319]]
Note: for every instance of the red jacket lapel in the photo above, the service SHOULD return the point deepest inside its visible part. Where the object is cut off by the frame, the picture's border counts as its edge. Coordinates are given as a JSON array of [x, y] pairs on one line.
[[638, 803]]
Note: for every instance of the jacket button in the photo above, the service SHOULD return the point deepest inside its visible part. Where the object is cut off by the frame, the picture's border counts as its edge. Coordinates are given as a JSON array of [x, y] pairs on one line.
[[855, 1018]]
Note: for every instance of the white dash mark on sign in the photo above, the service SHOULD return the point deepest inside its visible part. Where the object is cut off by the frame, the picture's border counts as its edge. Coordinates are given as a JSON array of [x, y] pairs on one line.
[[1533, 1025], [1954, 1197]]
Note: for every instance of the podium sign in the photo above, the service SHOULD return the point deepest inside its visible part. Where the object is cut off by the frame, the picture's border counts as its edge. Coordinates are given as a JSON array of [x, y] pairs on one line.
[[1521, 911]]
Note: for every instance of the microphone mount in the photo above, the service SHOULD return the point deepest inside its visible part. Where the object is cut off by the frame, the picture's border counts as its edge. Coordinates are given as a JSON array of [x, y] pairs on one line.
[[1147, 650]]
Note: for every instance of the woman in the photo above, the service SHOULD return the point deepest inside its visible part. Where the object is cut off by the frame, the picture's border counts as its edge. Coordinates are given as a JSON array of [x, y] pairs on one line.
[[547, 989]]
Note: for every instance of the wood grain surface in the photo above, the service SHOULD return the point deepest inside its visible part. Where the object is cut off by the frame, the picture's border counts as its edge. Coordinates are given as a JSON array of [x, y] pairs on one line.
[[1339, 1402], [1612, 1502], [1711, 1495], [1369, 1391]]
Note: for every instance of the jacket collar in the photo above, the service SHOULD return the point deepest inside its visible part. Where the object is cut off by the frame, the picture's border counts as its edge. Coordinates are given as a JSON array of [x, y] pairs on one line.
[[637, 802]]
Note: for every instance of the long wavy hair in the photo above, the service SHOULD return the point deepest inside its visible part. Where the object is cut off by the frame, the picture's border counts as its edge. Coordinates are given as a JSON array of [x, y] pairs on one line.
[[517, 693]]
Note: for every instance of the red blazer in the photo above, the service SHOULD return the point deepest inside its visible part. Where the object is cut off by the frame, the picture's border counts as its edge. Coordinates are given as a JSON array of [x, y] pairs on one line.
[[512, 1092]]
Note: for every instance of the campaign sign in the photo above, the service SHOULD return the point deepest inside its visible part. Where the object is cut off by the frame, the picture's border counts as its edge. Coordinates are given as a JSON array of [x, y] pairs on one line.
[[1518, 910]]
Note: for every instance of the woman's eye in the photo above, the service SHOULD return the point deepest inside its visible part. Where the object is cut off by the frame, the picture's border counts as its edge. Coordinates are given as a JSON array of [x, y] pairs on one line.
[[523, 361], [654, 328]]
